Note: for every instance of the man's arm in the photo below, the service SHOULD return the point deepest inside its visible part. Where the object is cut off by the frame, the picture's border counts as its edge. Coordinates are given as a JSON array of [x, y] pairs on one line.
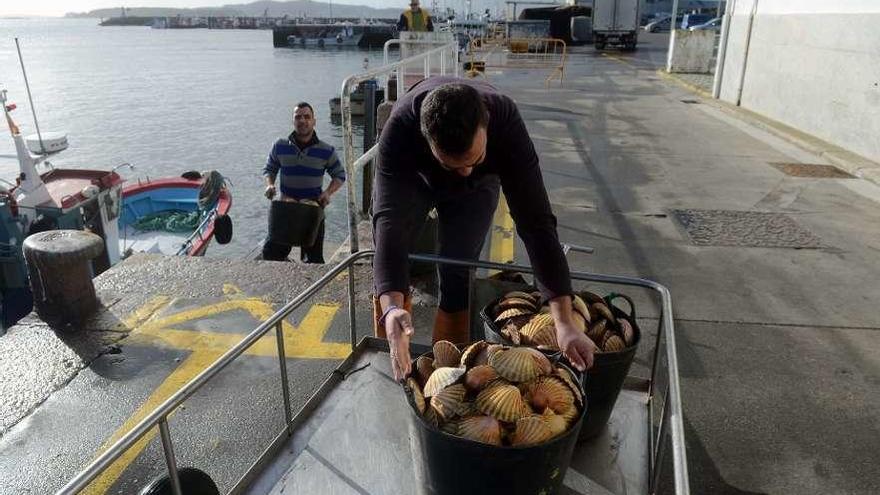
[[270, 171], [337, 172], [402, 24]]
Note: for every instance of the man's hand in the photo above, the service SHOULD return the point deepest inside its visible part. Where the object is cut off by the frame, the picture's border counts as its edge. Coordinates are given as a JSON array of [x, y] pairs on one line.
[[575, 345], [399, 329], [270, 191], [324, 198]]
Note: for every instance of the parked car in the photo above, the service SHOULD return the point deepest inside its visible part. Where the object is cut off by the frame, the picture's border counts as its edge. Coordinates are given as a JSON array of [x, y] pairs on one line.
[[713, 25], [689, 20], [658, 26]]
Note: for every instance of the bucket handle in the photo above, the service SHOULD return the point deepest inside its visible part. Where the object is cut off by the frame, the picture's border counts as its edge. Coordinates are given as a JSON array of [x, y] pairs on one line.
[[632, 306]]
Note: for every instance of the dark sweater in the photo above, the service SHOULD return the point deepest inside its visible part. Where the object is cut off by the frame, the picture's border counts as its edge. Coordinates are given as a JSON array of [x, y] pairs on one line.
[[406, 166]]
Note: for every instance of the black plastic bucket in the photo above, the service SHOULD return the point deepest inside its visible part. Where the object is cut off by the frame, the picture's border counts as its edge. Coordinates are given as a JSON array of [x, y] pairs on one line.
[[449, 465], [604, 381], [294, 224]]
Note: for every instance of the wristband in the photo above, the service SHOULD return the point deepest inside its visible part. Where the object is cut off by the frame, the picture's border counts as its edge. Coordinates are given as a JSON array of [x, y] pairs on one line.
[[385, 313]]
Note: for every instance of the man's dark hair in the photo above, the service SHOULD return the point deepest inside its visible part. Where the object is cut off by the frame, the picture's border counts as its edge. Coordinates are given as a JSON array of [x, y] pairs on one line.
[[304, 104], [451, 115]]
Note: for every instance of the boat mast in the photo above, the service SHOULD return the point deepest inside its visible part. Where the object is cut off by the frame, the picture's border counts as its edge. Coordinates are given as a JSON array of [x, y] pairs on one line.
[[27, 87]]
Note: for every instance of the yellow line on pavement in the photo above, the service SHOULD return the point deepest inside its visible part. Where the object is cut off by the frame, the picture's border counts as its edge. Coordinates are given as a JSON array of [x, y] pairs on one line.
[[187, 370], [501, 248], [142, 314]]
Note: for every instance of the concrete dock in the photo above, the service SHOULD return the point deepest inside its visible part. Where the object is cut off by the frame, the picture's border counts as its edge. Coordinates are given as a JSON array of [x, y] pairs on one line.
[[772, 267]]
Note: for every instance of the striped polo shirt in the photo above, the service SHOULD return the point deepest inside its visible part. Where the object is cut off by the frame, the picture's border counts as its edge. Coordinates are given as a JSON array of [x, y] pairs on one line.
[[302, 170]]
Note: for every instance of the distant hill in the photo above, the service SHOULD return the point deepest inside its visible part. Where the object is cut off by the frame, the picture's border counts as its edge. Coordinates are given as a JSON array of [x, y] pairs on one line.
[[296, 8]]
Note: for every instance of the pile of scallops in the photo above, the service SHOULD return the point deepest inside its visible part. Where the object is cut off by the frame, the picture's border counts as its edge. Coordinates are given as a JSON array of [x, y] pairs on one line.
[[523, 320], [495, 394]]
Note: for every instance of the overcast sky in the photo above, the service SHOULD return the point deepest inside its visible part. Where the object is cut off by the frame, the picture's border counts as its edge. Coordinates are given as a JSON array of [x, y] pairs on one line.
[[61, 7]]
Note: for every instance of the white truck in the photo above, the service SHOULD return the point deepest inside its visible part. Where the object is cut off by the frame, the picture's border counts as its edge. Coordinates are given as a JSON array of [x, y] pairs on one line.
[[615, 22]]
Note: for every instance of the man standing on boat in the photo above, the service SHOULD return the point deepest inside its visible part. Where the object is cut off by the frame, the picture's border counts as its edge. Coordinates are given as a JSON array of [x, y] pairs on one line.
[[453, 144], [302, 159], [415, 18]]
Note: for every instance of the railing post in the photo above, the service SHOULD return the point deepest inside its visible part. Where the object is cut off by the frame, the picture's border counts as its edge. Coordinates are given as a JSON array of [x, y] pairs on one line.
[[285, 386], [170, 460]]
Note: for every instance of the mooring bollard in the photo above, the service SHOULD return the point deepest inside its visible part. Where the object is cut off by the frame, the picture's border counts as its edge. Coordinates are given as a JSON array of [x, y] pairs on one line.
[[60, 273]]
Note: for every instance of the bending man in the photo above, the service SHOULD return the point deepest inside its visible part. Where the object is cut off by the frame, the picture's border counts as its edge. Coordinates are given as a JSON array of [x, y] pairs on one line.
[[452, 144]]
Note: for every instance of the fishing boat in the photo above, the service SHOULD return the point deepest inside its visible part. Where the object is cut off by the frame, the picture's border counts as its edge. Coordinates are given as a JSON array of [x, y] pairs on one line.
[[33, 201]]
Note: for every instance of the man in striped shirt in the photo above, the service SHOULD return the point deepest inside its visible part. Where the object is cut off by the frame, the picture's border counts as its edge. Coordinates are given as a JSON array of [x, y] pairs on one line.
[[302, 159]]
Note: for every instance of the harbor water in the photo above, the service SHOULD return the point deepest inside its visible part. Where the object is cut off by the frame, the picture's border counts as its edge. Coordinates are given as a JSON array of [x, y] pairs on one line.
[[168, 101]]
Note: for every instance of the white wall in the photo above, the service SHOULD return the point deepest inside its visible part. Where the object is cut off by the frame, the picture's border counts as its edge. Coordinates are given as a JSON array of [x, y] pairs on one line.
[[813, 65]]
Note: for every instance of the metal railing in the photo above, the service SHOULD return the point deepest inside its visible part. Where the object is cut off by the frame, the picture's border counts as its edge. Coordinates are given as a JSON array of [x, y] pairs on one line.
[[522, 53], [671, 426], [448, 63]]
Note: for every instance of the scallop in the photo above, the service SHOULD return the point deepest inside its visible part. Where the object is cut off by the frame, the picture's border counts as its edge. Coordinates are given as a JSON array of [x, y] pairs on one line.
[[449, 402], [446, 354], [545, 338], [550, 392], [516, 302], [478, 377], [612, 343], [537, 321], [418, 398], [512, 334], [627, 331], [555, 422], [544, 364], [431, 417], [510, 313], [485, 429], [603, 311], [424, 368], [566, 378], [531, 430], [471, 352], [520, 295], [580, 307], [597, 331], [442, 378], [501, 401], [450, 427], [516, 364]]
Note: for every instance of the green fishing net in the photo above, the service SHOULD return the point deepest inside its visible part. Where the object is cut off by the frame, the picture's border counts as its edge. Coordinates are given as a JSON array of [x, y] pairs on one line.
[[169, 221]]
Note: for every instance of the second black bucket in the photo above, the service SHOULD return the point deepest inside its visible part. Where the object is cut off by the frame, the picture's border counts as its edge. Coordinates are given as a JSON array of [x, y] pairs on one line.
[[449, 465], [604, 381], [294, 224]]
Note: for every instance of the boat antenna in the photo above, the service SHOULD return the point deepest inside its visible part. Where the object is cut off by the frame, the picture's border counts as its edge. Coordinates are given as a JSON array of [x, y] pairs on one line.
[[27, 86]]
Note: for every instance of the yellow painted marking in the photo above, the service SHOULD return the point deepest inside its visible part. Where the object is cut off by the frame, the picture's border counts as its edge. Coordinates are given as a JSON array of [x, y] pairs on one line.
[[618, 59], [231, 290], [501, 248], [188, 369], [302, 341]]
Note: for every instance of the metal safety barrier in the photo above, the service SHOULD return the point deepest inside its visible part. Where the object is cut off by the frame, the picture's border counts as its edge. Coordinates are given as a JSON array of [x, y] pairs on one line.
[[448, 64], [519, 53], [665, 420]]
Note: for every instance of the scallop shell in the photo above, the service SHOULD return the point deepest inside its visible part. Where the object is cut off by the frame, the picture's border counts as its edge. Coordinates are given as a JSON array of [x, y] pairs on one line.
[[450, 427], [516, 302], [471, 352], [531, 430], [537, 296], [627, 331], [485, 429], [603, 311], [418, 398], [545, 338], [580, 307], [424, 368], [431, 417], [510, 313], [501, 401], [579, 321], [440, 379], [591, 297], [575, 388], [537, 321], [449, 402], [520, 295], [570, 414], [597, 331], [550, 392], [516, 364], [478, 377], [541, 360], [512, 334], [612, 343], [555, 422], [446, 354]]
